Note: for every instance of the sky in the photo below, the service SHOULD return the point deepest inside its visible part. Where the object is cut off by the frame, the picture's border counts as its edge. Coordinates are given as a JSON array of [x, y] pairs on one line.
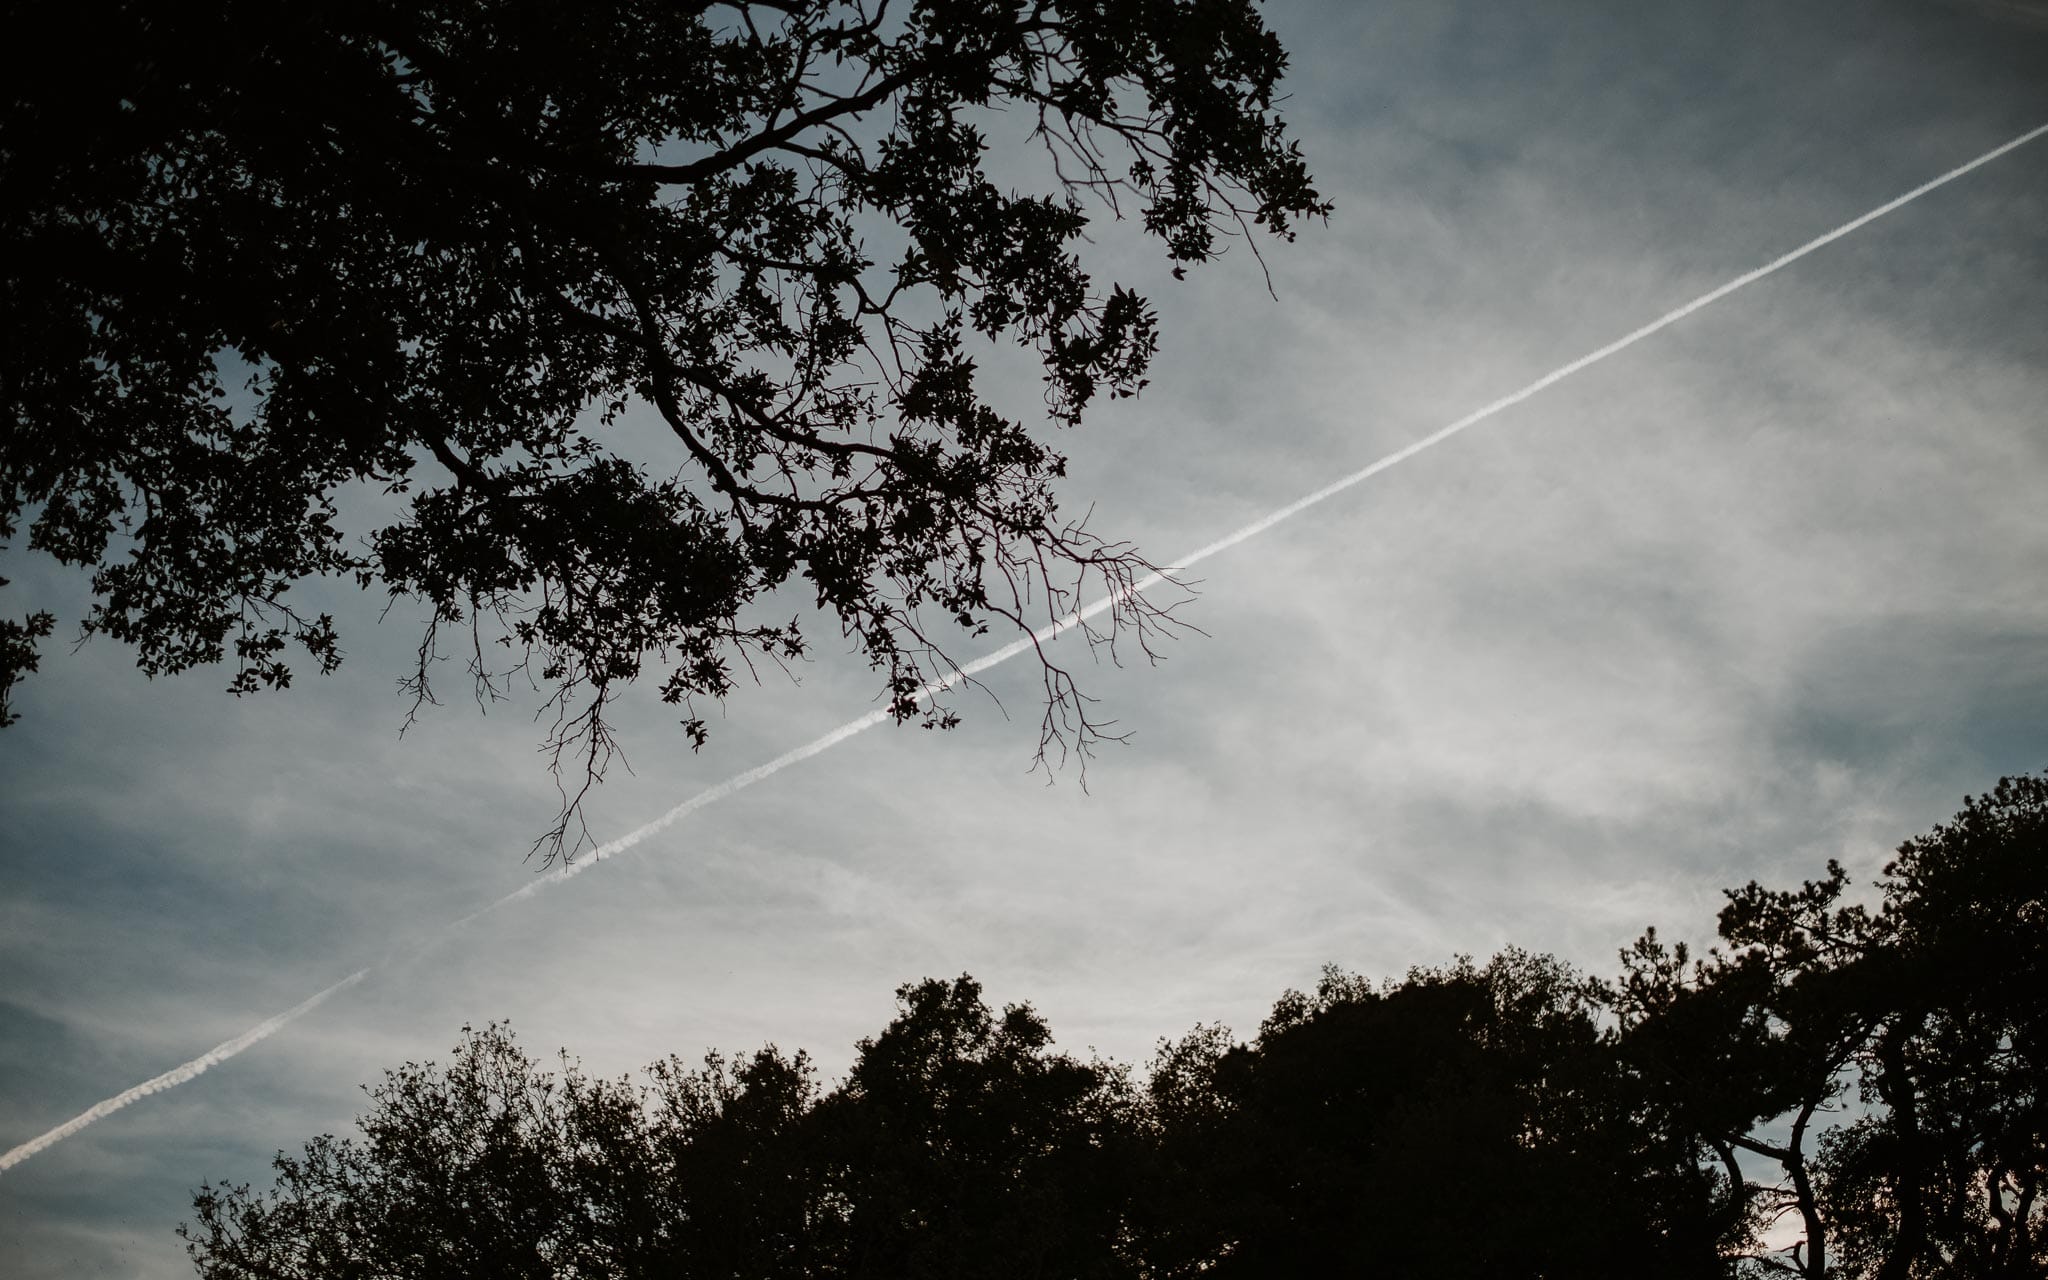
[[1762, 590]]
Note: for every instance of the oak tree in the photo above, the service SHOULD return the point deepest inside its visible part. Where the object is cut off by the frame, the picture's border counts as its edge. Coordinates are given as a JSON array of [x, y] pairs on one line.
[[1873, 1075], [960, 1144], [1875, 1072], [1471, 1121], [261, 254]]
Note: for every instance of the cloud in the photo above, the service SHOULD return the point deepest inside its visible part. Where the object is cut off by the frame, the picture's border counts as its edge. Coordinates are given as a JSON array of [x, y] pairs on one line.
[[1762, 592]]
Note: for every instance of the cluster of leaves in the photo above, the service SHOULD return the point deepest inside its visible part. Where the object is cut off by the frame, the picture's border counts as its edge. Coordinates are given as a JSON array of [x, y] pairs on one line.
[[1466, 1122], [1506, 1120], [1918, 1024], [259, 251], [959, 1135]]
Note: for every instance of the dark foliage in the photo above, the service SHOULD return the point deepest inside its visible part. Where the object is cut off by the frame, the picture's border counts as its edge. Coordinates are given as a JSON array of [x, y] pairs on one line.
[[960, 1144], [1510, 1120], [259, 252], [1467, 1122], [1918, 1024]]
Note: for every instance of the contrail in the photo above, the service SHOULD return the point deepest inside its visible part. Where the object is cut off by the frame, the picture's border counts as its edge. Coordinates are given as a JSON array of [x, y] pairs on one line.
[[177, 1075], [1254, 529], [740, 781]]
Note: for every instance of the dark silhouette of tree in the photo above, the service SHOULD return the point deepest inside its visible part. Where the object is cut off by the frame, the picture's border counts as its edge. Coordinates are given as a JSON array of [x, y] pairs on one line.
[[1923, 1019], [959, 1145], [1945, 1170], [1746, 1052], [259, 252], [1871, 1073], [962, 1146], [492, 1166], [1468, 1121]]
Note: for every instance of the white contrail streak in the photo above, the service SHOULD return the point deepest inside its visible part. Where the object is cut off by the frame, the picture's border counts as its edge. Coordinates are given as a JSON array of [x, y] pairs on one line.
[[177, 1075], [739, 781]]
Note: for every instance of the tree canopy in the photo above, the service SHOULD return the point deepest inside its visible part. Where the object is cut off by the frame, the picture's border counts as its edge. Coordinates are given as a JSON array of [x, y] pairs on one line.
[[960, 1144], [1920, 1019], [1867, 1077], [263, 255]]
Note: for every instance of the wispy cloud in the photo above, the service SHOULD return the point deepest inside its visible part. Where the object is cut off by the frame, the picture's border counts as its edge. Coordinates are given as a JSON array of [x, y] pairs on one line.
[[1244, 533]]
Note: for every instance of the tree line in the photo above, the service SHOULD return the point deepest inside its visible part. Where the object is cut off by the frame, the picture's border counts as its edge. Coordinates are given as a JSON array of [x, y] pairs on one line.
[[1863, 1078]]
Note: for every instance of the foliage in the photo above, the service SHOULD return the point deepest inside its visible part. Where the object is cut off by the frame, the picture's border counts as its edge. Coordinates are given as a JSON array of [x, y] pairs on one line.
[[965, 1146], [1467, 1121], [960, 1144], [1510, 1120], [261, 253], [18, 653], [1923, 1018]]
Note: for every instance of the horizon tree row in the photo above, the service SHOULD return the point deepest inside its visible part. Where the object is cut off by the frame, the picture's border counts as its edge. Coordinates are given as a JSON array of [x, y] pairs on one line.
[[1869, 1075]]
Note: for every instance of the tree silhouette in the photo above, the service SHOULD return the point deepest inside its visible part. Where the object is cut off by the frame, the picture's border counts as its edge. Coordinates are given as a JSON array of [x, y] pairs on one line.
[[963, 1146], [1469, 1121], [1923, 1018], [960, 1144], [260, 252], [1873, 1074]]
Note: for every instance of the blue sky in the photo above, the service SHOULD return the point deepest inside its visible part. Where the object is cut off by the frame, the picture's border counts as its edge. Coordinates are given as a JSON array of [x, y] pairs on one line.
[[1762, 590]]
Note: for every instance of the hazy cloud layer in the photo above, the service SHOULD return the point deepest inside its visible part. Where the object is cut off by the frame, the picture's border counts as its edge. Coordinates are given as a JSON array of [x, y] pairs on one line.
[[1763, 590]]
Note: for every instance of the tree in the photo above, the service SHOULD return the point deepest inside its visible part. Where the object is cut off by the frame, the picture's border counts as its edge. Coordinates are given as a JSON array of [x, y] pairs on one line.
[[1887, 1062], [962, 1145], [1922, 1019], [1946, 1170], [263, 254], [1462, 1123], [493, 1167], [1467, 1121], [959, 1145], [1745, 1051]]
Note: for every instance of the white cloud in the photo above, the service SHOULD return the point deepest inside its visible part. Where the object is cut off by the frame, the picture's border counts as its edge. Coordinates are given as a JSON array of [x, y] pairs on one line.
[[1764, 591]]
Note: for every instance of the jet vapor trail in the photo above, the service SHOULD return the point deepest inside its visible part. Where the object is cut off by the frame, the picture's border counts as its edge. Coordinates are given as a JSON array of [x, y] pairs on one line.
[[739, 781], [177, 1075], [1258, 526]]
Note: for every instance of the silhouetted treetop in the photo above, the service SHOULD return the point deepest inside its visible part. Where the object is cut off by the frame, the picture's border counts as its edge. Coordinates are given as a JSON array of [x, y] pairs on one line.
[[1868, 1079], [259, 252], [1471, 1121], [1921, 1018], [960, 1144]]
